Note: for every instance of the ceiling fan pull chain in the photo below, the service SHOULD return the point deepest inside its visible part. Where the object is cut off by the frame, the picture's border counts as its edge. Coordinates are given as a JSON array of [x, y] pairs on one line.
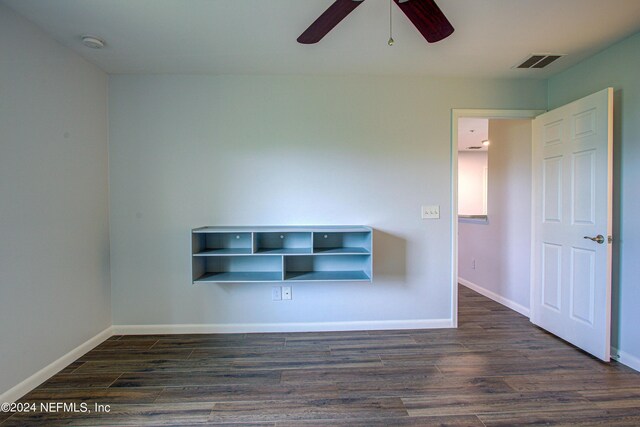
[[391, 41]]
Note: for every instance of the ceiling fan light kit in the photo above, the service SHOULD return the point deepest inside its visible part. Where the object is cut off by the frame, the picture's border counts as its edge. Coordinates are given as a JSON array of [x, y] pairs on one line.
[[425, 15]]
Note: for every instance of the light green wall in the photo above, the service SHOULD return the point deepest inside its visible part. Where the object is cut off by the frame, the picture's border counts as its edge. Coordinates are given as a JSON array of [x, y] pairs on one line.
[[187, 151], [54, 230], [617, 67]]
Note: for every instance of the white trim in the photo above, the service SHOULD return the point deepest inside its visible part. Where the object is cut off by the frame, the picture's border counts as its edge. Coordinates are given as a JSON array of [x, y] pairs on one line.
[[625, 358], [497, 298], [219, 328], [456, 114], [53, 368], [454, 216], [532, 265], [485, 187]]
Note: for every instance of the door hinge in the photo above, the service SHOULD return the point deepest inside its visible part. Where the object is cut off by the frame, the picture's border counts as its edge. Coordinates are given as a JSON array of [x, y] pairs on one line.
[[610, 239]]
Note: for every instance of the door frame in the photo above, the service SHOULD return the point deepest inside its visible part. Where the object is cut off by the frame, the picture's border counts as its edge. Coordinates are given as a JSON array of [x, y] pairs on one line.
[[456, 114]]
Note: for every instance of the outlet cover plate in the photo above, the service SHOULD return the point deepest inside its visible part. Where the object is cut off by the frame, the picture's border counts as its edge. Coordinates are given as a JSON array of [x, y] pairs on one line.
[[276, 293], [286, 292]]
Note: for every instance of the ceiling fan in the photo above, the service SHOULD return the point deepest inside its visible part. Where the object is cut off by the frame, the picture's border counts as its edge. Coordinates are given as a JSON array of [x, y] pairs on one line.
[[424, 14]]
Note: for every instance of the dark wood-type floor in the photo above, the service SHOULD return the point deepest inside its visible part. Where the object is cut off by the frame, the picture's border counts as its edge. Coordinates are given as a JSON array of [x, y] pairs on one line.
[[495, 370]]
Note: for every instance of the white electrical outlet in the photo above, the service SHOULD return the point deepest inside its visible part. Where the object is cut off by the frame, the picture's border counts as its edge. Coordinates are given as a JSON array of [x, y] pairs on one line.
[[286, 292], [431, 212], [276, 293]]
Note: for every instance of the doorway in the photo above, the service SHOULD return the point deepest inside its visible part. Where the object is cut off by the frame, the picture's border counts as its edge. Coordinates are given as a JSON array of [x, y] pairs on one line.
[[494, 224]]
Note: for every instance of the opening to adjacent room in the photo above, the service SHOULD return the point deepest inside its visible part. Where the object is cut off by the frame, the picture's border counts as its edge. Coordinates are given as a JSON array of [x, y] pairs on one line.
[[492, 193]]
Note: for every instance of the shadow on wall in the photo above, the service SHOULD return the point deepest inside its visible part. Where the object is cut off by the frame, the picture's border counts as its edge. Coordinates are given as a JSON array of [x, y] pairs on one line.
[[389, 257]]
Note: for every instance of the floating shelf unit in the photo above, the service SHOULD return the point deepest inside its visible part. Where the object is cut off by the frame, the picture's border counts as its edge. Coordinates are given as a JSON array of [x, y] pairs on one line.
[[276, 254]]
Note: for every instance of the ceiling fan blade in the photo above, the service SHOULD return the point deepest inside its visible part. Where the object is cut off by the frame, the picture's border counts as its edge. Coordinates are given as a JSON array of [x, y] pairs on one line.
[[329, 19], [427, 18]]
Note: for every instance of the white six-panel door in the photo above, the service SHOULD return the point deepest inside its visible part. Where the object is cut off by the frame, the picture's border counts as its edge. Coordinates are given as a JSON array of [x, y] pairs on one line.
[[572, 202]]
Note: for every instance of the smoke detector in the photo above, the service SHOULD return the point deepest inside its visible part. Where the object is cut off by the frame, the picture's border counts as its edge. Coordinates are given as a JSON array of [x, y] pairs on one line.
[[92, 41]]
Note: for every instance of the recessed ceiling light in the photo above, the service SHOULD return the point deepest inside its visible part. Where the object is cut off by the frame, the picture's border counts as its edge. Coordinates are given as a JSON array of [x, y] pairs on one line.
[[92, 41], [486, 143]]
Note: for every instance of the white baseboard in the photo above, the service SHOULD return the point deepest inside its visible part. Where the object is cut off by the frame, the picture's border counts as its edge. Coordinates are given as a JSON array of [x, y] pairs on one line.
[[497, 298], [281, 327], [53, 368], [626, 359]]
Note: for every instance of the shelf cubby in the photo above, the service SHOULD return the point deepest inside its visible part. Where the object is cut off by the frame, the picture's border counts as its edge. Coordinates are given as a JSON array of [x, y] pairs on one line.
[[328, 268], [237, 269], [284, 243], [342, 243], [208, 244]]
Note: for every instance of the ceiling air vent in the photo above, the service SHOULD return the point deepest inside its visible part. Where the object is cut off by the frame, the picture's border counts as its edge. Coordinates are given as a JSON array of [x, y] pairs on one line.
[[539, 60], [474, 148]]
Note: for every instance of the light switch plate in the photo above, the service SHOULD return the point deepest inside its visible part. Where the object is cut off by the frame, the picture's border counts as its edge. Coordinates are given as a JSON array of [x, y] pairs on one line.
[[286, 292], [431, 212]]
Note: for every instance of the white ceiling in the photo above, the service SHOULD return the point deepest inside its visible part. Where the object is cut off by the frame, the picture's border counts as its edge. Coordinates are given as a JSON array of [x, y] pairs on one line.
[[259, 36], [471, 132]]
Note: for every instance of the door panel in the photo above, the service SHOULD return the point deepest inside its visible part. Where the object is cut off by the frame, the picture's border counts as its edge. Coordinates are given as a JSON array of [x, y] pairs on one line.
[[552, 276], [572, 198], [583, 191], [553, 133], [552, 190], [582, 286]]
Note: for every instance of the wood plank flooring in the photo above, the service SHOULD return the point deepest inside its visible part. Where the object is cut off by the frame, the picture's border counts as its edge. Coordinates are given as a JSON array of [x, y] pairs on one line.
[[496, 369]]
